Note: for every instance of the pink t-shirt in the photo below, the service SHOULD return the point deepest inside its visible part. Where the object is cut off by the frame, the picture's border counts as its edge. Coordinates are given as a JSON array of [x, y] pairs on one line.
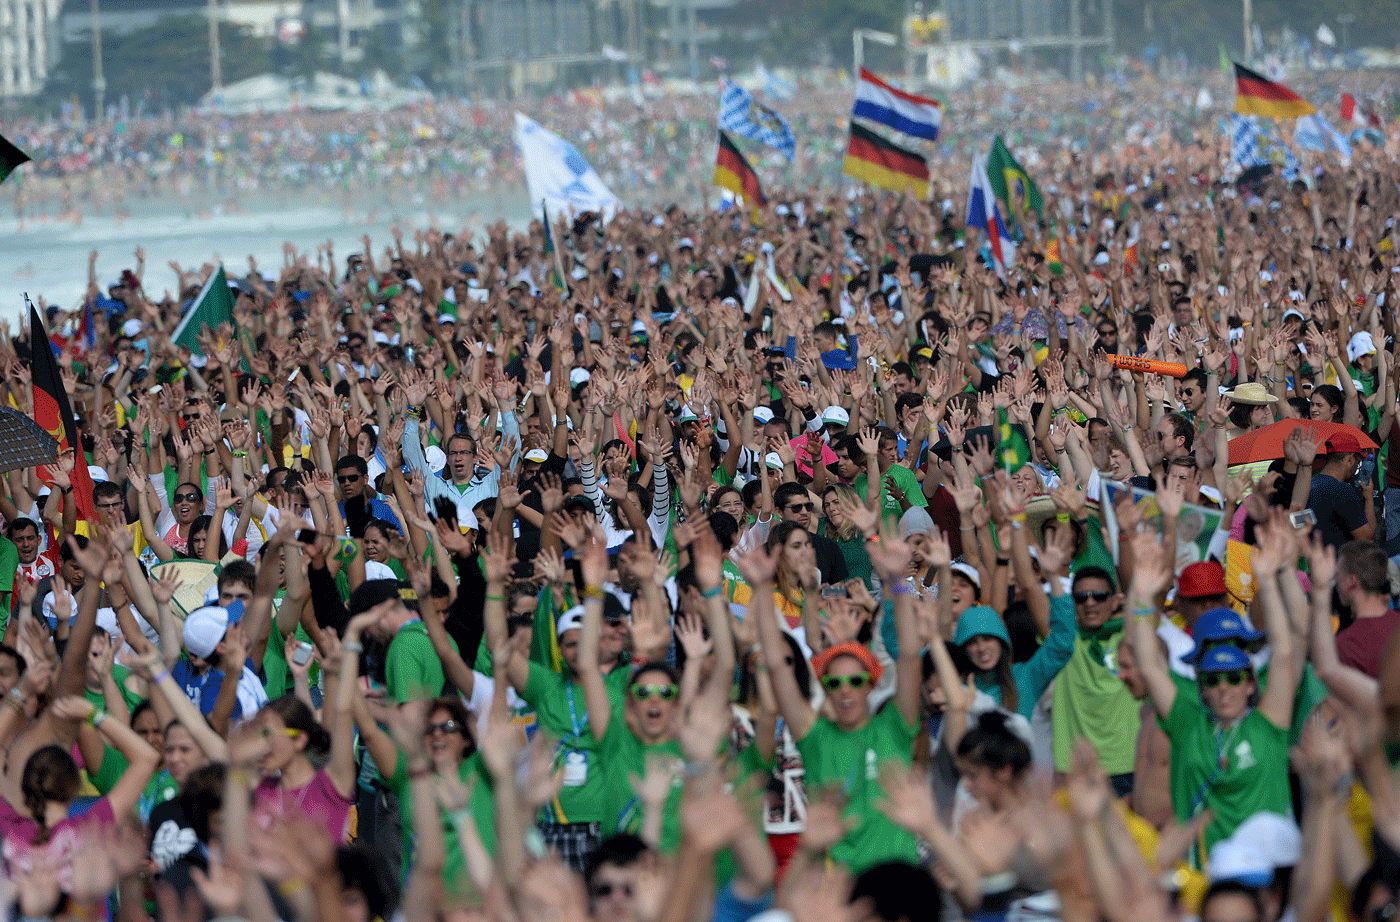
[[20, 831], [317, 799], [804, 462]]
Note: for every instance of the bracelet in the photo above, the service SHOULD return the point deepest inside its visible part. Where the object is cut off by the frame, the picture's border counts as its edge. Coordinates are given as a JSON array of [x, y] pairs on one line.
[[710, 593], [65, 490], [164, 674], [461, 816], [1018, 522], [1127, 428], [955, 448], [495, 598], [209, 452], [967, 528], [353, 647], [15, 699], [901, 588], [96, 717], [872, 539], [1143, 611], [1062, 517], [593, 592], [698, 769], [240, 454]]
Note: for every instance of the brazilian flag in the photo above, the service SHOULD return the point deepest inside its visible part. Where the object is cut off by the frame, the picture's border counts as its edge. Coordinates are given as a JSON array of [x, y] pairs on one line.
[[1011, 184], [11, 158], [1013, 452]]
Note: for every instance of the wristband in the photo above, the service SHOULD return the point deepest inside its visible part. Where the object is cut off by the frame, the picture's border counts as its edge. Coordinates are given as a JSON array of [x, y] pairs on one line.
[[96, 717], [65, 490], [1062, 517], [873, 539], [955, 448], [209, 452], [901, 588], [240, 454], [495, 598], [292, 887], [593, 592], [1143, 611], [710, 593], [353, 647], [164, 674], [698, 769]]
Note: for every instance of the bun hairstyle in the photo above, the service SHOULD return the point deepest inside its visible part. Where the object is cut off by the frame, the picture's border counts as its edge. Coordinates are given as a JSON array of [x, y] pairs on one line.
[[49, 775], [297, 716], [991, 744]]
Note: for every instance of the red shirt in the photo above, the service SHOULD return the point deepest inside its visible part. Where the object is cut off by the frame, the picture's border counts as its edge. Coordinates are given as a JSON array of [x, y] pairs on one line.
[[1360, 645]]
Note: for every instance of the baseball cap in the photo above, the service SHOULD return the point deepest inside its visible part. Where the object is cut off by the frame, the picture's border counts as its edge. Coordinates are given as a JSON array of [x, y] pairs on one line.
[[581, 503], [436, 458], [204, 628], [447, 318], [688, 415], [1360, 344], [569, 621], [537, 455], [374, 592], [762, 415], [1201, 580], [968, 571], [1343, 443], [835, 415], [1224, 658], [773, 459]]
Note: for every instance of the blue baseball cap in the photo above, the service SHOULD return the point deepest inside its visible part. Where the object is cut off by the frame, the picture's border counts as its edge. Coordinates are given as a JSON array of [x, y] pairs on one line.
[[1219, 624], [1224, 658]]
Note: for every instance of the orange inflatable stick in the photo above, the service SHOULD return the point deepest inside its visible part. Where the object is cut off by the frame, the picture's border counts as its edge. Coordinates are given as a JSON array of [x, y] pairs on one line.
[[1133, 363]]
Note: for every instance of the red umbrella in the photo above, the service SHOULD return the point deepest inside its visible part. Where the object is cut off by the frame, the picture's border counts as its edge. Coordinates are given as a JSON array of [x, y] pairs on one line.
[[1266, 444]]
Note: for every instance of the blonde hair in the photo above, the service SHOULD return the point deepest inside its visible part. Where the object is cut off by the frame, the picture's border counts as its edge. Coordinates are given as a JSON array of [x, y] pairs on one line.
[[847, 530]]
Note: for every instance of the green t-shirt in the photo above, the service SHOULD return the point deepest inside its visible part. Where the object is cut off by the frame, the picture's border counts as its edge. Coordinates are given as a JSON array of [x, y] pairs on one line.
[[831, 756], [277, 679], [481, 805], [1235, 772], [562, 712], [1309, 695], [159, 789], [623, 755], [121, 674], [412, 670], [1091, 701], [906, 481], [9, 560]]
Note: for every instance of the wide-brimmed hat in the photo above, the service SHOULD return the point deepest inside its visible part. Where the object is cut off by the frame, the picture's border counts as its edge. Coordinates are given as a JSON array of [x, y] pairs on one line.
[[1252, 393]]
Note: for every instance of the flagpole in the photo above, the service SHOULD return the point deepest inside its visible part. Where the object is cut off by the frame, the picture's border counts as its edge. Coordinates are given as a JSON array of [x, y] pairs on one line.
[[558, 260]]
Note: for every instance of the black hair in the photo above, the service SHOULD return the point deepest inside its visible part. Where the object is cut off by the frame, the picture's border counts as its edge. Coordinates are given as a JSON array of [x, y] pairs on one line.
[[65, 553], [961, 661], [992, 744], [726, 529], [364, 869], [16, 524], [623, 850], [751, 491], [1092, 573], [1240, 414], [238, 571], [1196, 376], [785, 494], [201, 796], [354, 462], [897, 890], [296, 715], [654, 666]]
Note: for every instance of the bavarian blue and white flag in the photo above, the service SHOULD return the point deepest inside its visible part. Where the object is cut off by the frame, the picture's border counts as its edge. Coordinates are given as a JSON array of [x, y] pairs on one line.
[[557, 174], [1314, 132], [773, 85], [1251, 146], [740, 113]]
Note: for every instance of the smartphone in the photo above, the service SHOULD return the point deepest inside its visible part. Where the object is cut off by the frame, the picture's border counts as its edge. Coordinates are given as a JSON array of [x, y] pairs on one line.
[[293, 376], [307, 535], [302, 654], [1302, 519], [833, 592], [155, 390]]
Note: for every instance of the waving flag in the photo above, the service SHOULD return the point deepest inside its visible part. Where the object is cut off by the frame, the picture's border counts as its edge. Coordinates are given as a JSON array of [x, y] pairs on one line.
[[557, 174], [1352, 111], [879, 102], [1256, 95], [983, 214], [1251, 146], [745, 116], [873, 159], [733, 172], [54, 413], [1314, 132], [773, 85], [1012, 184]]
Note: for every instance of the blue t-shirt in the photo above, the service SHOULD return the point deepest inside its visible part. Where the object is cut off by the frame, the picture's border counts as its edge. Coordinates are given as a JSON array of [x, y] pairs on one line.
[[1338, 507], [203, 690]]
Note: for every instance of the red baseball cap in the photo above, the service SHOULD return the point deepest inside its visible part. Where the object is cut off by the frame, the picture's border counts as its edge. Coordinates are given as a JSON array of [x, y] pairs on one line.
[[1201, 580], [1343, 443]]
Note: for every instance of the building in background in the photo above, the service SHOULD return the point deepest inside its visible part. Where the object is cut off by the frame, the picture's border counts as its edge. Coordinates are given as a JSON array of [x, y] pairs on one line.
[[28, 39]]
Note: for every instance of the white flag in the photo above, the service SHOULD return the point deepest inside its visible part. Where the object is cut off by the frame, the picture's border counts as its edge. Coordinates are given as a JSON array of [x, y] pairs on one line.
[[1326, 35], [557, 174]]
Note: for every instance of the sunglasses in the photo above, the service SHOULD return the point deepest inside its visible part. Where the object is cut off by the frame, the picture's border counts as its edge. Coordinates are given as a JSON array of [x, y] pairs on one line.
[[605, 890], [647, 692], [833, 682], [111, 505], [288, 732], [1097, 596], [801, 507], [446, 727], [1212, 679], [350, 479], [187, 417], [186, 497]]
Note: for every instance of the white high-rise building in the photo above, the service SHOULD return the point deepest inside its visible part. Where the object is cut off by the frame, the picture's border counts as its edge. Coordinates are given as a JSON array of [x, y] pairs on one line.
[[26, 45]]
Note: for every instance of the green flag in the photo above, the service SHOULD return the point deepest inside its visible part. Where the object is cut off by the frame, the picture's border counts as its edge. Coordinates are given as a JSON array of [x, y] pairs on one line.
[[212, 308], [11, 158], [1011, 184], [1013, 452]]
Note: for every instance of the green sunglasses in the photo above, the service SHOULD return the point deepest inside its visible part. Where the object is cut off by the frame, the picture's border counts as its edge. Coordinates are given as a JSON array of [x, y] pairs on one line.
[[647, 692], [1212, 679], [833, 682]]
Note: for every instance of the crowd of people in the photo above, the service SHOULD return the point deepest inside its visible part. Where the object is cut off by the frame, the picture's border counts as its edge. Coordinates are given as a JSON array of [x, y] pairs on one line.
[[786, 558]]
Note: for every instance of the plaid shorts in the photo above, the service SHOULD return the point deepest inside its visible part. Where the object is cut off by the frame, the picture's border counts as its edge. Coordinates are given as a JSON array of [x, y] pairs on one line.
[[573, 842]]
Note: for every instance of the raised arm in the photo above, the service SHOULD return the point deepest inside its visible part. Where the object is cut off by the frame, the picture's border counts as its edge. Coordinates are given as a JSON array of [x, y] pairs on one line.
[[757, 568], [1151, 574], [1272, 554], [590, 674]]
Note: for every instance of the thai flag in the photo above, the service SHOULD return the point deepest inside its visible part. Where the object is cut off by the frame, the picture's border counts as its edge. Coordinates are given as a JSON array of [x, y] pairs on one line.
[[982, 213], [880, 102]]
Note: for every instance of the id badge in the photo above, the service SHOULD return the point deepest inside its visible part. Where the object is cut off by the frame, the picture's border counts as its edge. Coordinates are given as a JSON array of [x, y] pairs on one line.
[[575, 769]]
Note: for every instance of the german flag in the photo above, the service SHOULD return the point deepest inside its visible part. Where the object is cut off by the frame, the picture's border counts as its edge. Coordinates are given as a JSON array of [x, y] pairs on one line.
[[872, 159], [54, 413], [1256, 96], [733, 172]]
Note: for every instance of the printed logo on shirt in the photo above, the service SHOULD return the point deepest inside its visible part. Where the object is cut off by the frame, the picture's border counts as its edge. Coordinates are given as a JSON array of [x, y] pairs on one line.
[[1244, 756]]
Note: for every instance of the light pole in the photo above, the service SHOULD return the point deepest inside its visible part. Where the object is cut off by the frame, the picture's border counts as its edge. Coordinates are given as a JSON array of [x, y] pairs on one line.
[[1346, 19], [858, 38], [99, 83]]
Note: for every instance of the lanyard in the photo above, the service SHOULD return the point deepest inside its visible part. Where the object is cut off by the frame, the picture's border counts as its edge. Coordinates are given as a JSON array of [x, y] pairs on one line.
[[573, 715]]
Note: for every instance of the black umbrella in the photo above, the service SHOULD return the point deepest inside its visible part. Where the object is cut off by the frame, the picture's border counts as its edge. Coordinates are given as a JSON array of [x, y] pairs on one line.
[[23, 442]]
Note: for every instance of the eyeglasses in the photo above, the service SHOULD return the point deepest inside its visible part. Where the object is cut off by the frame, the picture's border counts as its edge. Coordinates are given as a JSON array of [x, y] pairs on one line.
[[1212, 679], [116, 505], [1098, 596], [833, 682], [186, 497], [605, 890], [800, 507], [647, 692], [460, 451], [353, 478], [1161, 436], [445, 728], [288, 732]]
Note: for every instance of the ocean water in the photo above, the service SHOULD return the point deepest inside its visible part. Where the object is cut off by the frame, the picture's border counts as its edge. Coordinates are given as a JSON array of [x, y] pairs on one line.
[[47, 254]]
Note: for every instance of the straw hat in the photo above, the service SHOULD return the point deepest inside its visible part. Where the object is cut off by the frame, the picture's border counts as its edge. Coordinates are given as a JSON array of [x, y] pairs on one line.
[[1252, 393]]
